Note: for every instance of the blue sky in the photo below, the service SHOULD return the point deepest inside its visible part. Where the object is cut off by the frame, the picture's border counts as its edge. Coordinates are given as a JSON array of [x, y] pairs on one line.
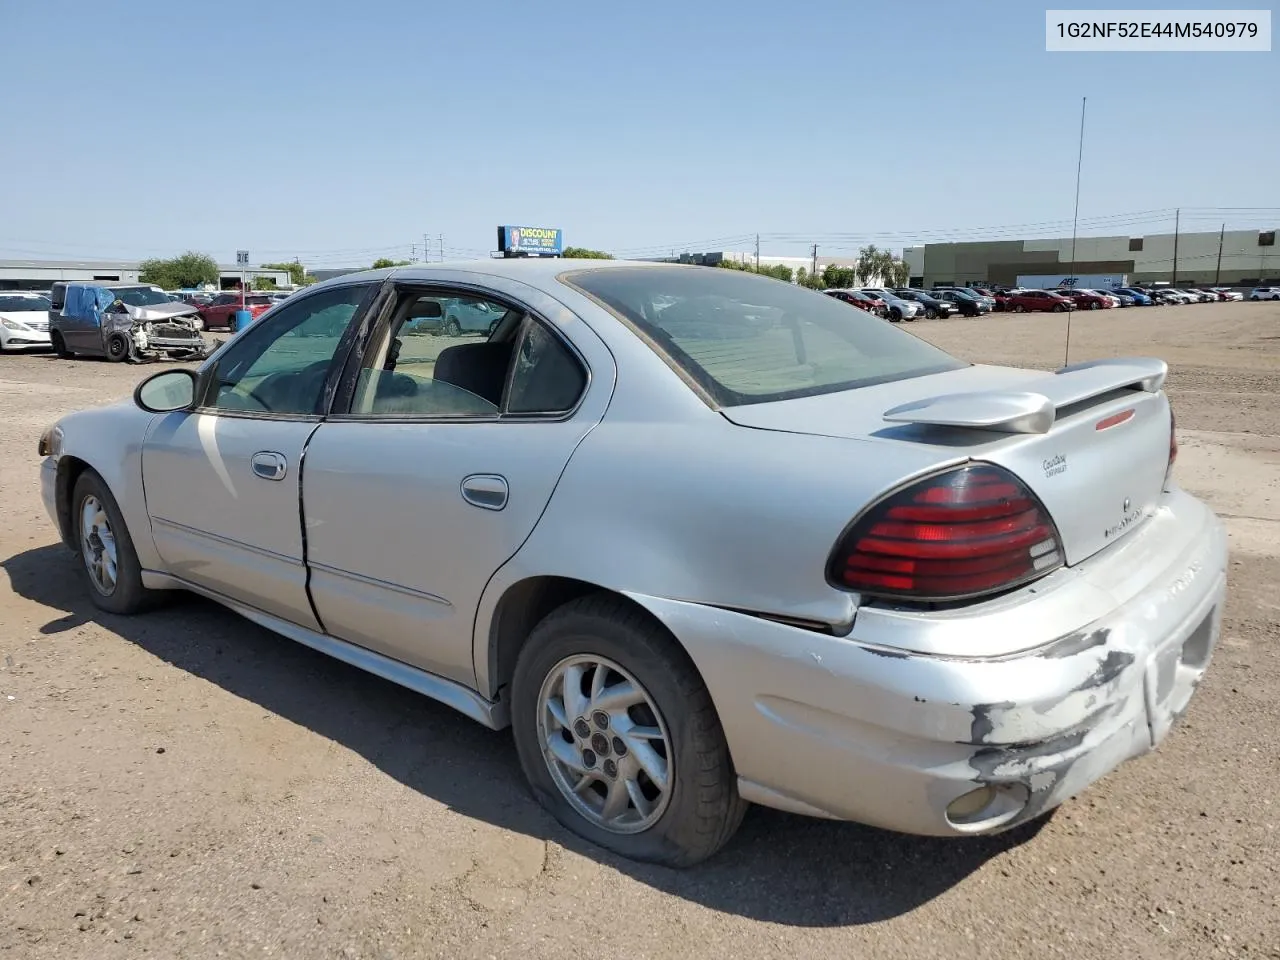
[[339, 132]]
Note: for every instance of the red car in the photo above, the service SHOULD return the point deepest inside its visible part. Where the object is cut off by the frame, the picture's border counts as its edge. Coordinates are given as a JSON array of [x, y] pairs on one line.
[[1032, 301], [858, 299], [1086, 299], [222, 311]]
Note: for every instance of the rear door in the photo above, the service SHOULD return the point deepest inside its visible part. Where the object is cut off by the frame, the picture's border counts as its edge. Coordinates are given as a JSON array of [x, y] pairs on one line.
[[223, 482], [446, 456]]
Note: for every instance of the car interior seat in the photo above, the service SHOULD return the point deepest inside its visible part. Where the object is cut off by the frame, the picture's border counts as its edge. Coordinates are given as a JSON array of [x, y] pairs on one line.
[[480, 368]]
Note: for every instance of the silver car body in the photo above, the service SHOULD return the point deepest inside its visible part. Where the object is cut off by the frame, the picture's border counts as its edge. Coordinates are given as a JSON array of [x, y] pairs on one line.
[[909, 309], [424, 552]]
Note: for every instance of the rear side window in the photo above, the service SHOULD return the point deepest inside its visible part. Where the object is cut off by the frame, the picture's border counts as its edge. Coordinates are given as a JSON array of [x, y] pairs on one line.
[[749, 339], [58, 296]]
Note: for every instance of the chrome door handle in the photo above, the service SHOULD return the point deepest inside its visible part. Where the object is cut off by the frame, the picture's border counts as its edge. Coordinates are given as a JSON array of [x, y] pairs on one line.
[[488, 491], [268, 465]]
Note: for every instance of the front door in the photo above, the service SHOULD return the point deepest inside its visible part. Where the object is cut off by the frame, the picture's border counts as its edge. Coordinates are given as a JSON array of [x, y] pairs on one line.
[[449, 450], [223, 482]]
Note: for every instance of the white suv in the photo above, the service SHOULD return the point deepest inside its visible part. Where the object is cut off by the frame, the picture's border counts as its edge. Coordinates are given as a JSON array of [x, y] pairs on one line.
[[1265, 293]]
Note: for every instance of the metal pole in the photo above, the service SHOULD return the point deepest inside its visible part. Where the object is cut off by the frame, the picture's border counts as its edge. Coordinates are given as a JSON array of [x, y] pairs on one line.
[[815, 261], [1075, 220], [757, 253], [1177, 219], [1217, 274]]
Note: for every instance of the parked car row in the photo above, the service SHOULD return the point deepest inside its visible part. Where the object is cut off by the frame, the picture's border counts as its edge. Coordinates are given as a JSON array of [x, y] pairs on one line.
[[1059, 300], [907, 303]]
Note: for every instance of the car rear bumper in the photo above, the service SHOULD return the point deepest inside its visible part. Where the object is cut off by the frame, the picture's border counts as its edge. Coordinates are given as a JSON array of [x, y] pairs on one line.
[[864, 728]]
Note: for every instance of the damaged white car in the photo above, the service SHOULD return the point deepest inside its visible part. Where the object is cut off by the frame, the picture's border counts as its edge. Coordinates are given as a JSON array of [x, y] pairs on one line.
[[123, 321]]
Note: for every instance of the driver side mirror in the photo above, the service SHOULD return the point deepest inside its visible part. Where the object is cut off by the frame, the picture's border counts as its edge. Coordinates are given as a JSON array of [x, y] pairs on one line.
[[166, 391]]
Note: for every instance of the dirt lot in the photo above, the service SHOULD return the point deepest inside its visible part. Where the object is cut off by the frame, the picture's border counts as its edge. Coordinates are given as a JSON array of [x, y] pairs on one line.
[[185, 784]]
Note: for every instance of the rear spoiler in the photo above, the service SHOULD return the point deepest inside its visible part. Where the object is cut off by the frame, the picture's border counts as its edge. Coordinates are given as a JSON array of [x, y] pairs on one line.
[[1033, 408]]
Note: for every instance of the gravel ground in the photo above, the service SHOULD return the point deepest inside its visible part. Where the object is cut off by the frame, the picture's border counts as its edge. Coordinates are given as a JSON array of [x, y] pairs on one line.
[[185, 784]]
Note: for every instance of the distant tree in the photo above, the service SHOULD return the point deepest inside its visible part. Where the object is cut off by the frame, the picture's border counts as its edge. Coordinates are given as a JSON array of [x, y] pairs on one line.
[[297, 272], [583, 253], [263, 283], [896, 271], [870, 261], [383, 262], [190, 269], [777, 271], [836, 276], [811, 280]]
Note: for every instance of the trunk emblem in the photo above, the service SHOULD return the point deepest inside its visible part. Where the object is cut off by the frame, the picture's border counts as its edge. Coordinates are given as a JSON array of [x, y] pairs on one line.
[[1114, 420]]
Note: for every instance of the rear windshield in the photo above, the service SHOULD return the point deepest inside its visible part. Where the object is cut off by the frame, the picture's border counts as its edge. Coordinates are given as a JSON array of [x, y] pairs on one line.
[[751, 339], [18, 304]]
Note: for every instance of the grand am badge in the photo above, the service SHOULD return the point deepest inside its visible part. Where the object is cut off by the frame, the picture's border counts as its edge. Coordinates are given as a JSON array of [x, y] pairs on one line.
[[1054, 465]]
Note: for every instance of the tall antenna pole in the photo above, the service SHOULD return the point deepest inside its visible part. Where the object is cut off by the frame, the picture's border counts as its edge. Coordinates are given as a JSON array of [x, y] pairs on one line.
[[1217, 274], [1075, 220], [1177, 221], [757, 253]]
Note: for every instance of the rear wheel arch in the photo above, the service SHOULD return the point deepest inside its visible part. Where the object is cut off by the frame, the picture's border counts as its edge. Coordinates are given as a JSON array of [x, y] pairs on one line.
[[527, 603]]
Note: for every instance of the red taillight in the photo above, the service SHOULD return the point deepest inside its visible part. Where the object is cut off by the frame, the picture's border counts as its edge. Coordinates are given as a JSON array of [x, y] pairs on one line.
[[961, 534]]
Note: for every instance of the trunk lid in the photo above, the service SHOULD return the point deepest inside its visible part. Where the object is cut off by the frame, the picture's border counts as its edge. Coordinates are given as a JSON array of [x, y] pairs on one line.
[[1090, 440]]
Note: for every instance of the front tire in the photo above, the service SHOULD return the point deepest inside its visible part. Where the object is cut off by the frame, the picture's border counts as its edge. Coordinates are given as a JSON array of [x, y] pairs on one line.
[[452, 328], [106, 550], [118, 348], [60, 345], [618, 737]]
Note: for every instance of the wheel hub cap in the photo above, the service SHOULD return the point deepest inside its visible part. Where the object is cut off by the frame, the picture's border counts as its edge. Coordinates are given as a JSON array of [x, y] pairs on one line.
[[605, 744], [98, 546]]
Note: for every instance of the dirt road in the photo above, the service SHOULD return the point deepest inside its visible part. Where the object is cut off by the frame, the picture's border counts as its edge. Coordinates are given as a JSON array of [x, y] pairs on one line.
[[185, 784]]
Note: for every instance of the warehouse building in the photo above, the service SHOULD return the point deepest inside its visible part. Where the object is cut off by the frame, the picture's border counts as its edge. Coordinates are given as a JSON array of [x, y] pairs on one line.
[[40, 274], [1230, 258]]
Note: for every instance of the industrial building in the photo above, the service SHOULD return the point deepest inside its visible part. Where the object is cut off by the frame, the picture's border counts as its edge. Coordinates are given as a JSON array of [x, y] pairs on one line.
[[1226, 258], [741, 256], [40, 274]]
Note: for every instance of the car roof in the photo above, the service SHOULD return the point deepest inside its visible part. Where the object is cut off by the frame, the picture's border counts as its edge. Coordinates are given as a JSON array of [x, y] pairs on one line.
[[109, 284]]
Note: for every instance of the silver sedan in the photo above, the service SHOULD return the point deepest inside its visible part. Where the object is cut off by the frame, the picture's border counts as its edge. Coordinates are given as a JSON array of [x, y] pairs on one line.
[[700, 538]]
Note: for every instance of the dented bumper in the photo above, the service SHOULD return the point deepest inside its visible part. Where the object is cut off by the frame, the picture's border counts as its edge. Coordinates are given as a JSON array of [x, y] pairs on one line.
[[1076, 674]]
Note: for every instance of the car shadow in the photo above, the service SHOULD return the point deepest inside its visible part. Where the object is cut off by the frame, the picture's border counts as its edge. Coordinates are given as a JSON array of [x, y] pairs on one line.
[[780, 868]]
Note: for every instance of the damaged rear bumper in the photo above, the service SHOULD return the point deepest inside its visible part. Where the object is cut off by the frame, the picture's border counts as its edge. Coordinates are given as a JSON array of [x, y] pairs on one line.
[[1104, 662]]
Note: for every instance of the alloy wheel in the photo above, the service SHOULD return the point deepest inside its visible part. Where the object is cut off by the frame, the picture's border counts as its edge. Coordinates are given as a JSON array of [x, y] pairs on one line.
[[98, 546], [605, 744]]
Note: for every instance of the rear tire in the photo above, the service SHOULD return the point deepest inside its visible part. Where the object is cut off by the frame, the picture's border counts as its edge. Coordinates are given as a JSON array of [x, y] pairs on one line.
[[691, 808], [107, 556], [931, 314], [1018, 308]]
